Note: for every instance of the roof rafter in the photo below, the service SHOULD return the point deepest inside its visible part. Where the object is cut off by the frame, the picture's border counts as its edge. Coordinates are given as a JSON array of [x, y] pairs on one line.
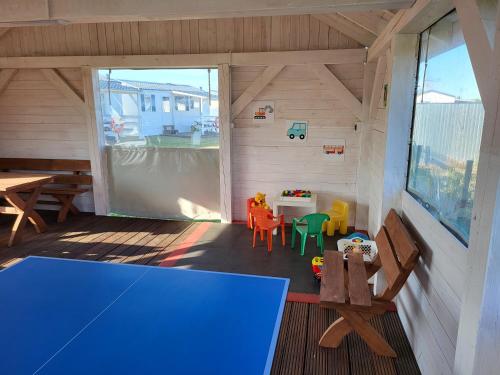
[[395, 25], [254, 89], [347, 27], [6, 76], [372, 22], [338, 89], [64, 88]]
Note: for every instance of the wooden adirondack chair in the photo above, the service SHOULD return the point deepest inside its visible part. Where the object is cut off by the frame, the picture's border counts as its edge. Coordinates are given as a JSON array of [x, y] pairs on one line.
[[344, 285]]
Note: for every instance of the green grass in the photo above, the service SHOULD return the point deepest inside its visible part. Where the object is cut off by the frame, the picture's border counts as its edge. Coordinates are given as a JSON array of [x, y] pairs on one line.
[[173, 141]]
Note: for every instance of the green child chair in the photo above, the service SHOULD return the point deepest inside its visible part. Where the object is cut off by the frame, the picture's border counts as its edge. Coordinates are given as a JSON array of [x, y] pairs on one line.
[[311, 226]]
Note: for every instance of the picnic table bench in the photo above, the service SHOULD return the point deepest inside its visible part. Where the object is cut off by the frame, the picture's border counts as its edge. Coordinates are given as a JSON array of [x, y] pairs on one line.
[[70, 178], [344, 285], [10, 186]]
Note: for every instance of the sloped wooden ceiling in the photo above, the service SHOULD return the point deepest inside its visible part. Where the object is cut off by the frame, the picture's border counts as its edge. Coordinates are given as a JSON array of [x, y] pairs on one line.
[[248, 34]]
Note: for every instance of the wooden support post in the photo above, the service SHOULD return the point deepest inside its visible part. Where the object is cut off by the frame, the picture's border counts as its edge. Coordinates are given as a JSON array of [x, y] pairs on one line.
[[480, 51], [378, 85], [95, 131], [225, 142]]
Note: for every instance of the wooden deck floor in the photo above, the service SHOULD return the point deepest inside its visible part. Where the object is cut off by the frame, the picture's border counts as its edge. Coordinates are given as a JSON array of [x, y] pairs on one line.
[[139, 241]]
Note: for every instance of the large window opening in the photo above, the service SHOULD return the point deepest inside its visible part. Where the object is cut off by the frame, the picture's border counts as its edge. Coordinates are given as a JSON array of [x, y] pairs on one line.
[[161, 128], [160, 107], [447, 127]]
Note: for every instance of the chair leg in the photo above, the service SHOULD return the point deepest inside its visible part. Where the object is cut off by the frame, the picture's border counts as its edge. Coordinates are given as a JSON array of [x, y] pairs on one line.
[[334, 334], [343, 227], [283, 235], [369, 334], [330, 231], [269, 240], [254, 236], [321, 243], [294, 233], [261, 235], [303, 239]]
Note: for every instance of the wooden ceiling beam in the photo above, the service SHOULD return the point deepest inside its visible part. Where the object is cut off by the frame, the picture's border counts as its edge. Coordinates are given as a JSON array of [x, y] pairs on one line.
[[91, 11], [395, 25], [372, 22], [339, 56], [347, 27]]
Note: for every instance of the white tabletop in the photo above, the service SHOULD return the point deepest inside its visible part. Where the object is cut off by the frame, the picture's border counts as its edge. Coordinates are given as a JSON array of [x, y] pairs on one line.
[[296, 203]]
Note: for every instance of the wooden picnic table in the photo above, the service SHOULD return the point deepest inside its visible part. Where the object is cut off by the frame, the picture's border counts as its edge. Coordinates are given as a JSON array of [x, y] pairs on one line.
[[11, 184]]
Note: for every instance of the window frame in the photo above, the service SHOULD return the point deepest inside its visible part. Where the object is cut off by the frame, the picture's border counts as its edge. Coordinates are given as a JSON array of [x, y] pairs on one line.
[[152, 104], [418, 199]]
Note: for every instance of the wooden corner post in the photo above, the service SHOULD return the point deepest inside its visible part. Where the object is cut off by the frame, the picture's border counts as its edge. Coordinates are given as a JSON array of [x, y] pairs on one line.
[[225, 142], [95, 132]]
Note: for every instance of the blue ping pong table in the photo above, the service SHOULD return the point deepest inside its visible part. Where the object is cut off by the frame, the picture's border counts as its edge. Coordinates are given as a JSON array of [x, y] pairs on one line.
[[78, 317]]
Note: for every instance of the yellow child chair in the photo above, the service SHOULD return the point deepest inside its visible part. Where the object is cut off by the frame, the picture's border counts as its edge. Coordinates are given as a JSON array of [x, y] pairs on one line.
[[339, 217]]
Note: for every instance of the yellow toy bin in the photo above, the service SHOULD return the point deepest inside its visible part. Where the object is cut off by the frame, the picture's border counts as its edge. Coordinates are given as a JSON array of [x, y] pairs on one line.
[[339, 218]]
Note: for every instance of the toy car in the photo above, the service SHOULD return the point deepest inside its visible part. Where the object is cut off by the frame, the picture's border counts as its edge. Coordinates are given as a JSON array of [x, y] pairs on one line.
[[298, 129]]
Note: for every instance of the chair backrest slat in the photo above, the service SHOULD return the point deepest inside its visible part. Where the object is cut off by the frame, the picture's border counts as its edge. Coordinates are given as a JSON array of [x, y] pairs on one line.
[[315, 222], [390, 264], [401, 240]]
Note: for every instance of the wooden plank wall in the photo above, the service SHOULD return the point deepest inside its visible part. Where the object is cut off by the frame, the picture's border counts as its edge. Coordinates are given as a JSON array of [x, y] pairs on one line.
[[264, 159], [429, 304], [249, 34], [37, 121], [50, 127]]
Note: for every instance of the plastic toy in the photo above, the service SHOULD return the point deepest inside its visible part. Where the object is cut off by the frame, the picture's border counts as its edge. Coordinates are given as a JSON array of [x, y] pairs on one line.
[[258, 201], [317, 266], [358, 243], [339, 217], [357, 236], [296, 193], [298, 129], [312, 229]]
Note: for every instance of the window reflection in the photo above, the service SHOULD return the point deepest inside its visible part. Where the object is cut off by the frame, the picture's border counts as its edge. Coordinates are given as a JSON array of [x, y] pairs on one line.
[[447, 127]]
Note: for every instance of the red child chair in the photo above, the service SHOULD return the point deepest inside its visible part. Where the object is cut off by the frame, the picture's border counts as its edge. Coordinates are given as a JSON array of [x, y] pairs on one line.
[[251, 205], [264, 220], [250, 202]]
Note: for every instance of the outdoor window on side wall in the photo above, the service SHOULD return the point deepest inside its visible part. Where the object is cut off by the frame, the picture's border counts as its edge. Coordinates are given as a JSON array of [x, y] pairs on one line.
[[447, 127]]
